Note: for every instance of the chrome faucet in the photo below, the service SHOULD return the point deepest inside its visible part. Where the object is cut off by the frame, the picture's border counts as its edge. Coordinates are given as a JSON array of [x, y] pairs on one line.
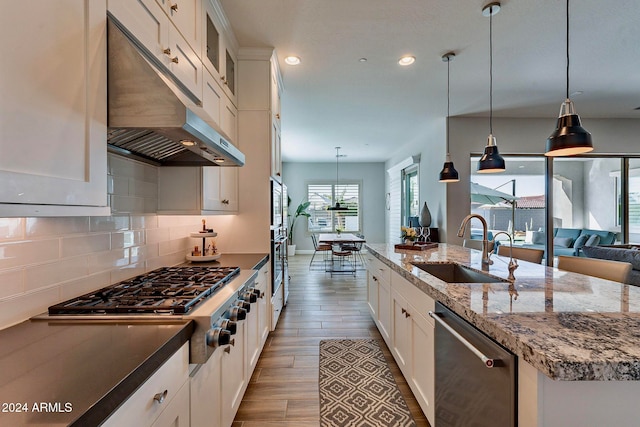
[[486, 262], [513, 264]]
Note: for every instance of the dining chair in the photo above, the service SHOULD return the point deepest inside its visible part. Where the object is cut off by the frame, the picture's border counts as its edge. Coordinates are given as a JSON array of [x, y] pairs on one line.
[[356, 248], [319, 247], [340, 255], [523, 254], [605, 269]]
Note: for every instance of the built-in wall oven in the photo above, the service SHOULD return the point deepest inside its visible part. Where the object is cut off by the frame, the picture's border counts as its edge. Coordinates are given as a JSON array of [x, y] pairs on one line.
[[278, 257]]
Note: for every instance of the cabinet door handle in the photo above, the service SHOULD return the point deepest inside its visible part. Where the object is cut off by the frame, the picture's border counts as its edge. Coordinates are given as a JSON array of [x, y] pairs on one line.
[[375, 278], [225, 202], [278, 116], [167, 51], [224, 80], [174, 60], [159, 397], [404, 312], [174, 7], [228, 350]]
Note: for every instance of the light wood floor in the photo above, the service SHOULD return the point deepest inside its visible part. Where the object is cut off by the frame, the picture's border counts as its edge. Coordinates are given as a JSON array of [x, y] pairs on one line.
[[284, 388]]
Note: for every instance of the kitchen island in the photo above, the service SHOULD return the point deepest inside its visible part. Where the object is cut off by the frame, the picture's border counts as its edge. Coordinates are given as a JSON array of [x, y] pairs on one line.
[[576, 337]]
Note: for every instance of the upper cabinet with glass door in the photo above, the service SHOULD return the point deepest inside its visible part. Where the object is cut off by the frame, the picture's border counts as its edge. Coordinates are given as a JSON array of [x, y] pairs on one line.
[[219, 48]]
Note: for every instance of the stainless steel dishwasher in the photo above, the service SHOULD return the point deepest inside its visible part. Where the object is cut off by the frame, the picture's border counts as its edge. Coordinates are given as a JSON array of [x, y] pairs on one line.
[[475, 377]]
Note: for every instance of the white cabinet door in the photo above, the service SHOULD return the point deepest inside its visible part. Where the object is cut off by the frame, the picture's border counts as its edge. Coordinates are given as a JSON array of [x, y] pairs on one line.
[[184, 63], [262, 284], [372, 295], [185, 15], [176, 414], [220, 189], [206, 386], [384, 310], [229, 119], [276, 152], [234, 374], [147, 22], [212, 96], [53, 109], [401, 335], [422, 379]]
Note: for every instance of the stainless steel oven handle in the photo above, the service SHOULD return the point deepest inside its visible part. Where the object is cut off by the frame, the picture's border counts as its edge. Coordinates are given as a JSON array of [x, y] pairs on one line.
[[488, 362]]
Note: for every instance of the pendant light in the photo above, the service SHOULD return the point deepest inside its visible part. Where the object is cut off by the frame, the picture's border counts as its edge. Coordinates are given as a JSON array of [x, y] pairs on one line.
[[448, 173], [491, 160], [570, 137], [337, 206]]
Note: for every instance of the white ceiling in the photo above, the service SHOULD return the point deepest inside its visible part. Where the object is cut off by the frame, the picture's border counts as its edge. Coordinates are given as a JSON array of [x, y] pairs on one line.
[[371, 109]]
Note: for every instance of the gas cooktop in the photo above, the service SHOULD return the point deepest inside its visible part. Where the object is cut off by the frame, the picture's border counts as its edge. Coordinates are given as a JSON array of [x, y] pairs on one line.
[[167, 290]]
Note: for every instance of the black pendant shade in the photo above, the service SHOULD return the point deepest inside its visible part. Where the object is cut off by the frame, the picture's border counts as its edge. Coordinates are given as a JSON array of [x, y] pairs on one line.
[[337, 206], [491, 160], [449, 172], [570, 137]]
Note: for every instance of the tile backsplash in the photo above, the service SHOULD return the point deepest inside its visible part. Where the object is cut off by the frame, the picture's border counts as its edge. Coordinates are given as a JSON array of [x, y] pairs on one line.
[[44, 261]]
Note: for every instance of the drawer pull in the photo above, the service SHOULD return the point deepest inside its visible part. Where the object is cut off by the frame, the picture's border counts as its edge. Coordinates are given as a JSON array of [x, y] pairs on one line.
[[174, 7], [375, 278], [175, 60], [159, 397]]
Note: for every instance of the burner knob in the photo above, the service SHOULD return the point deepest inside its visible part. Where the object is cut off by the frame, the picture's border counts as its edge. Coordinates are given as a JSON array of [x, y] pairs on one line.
[[217, 337], [244, 304], [229, 325], [237, 313], [249, 296]]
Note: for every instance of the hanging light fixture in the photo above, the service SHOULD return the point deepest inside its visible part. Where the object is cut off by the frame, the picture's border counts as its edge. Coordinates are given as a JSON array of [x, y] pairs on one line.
[[337, 206], [570, 137], [491, 160], [448, 172]]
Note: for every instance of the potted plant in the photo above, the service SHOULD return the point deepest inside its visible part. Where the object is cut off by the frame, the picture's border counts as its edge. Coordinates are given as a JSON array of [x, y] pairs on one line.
[[301, 210]]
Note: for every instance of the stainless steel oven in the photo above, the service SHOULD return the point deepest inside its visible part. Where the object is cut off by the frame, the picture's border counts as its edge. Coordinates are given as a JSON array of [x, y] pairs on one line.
[[276, 204], [278, 257]]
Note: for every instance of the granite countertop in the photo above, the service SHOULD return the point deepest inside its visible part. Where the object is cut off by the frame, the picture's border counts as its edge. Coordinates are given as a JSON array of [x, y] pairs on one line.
[[244, 261], [567, 325], [84, 370]]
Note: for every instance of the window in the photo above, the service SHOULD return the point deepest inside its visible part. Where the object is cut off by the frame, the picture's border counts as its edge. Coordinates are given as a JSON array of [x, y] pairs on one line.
[[410, 194], [321, 196]]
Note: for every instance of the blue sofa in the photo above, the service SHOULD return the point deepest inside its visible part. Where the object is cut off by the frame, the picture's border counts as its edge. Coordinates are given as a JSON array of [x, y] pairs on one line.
[[569, 241]]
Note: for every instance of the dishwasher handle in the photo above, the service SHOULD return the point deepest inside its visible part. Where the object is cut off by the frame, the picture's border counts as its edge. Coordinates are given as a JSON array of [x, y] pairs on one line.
[[488, 362]]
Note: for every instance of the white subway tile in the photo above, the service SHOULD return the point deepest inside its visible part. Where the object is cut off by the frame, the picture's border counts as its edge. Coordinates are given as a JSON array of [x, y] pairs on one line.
[[126, 204], [110, 223], [106, 261], [140, 253], [144, 221], [24, 306], [127, 272], [57, 226], [12, 228], [150, 205], [121, 186], [44, 275], [11, 282], [165, 260], [84, 245], [17, 254], [157, 235], [84, 285], [144, 189]]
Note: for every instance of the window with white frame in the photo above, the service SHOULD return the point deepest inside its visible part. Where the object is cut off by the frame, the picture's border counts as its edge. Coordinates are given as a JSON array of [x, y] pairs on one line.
[[322, 196]]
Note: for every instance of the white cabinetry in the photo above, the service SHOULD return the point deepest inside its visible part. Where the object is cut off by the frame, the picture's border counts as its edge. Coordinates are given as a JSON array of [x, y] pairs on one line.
[[413, 340], [234, 374], [162, 400], [149, 22], [186, 17], [380, 281], [399, 310], [258, 319], [218, 48], [205, 386], [53, 109], [197, 190]]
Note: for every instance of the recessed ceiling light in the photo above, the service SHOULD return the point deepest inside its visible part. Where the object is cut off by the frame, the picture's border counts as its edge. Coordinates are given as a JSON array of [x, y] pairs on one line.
[[292, 60], [407, 60], [362, 59], [218, 160], [187, 143]]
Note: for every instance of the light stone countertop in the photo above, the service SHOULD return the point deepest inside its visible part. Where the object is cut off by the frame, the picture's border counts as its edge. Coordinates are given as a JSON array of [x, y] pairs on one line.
[[569, 326]]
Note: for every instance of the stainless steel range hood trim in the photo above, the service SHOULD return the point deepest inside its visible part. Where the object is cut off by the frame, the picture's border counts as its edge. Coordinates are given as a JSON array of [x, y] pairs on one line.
[[151, 112]]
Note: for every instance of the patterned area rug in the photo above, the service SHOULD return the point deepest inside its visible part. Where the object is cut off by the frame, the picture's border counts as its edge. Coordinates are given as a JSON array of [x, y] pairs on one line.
[[357, 388]]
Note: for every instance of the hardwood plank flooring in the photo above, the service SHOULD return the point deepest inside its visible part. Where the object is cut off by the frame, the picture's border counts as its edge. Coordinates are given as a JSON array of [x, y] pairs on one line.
[[283, 390]]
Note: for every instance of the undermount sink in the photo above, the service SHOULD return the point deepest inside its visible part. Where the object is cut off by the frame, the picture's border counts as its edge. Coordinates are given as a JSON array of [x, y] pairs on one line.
[[455, 273]]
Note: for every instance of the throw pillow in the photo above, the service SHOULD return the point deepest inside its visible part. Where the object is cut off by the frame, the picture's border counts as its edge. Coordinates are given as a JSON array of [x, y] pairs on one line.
[[564, 242], [594, 240], [538, 238], [580, 241]]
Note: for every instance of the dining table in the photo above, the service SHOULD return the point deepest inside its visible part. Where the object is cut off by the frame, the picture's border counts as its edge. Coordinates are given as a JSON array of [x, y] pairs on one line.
[[339, 256]]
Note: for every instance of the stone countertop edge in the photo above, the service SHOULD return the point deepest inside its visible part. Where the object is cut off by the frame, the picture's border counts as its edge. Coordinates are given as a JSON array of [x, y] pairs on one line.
[[103, 408], [495, 326]]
